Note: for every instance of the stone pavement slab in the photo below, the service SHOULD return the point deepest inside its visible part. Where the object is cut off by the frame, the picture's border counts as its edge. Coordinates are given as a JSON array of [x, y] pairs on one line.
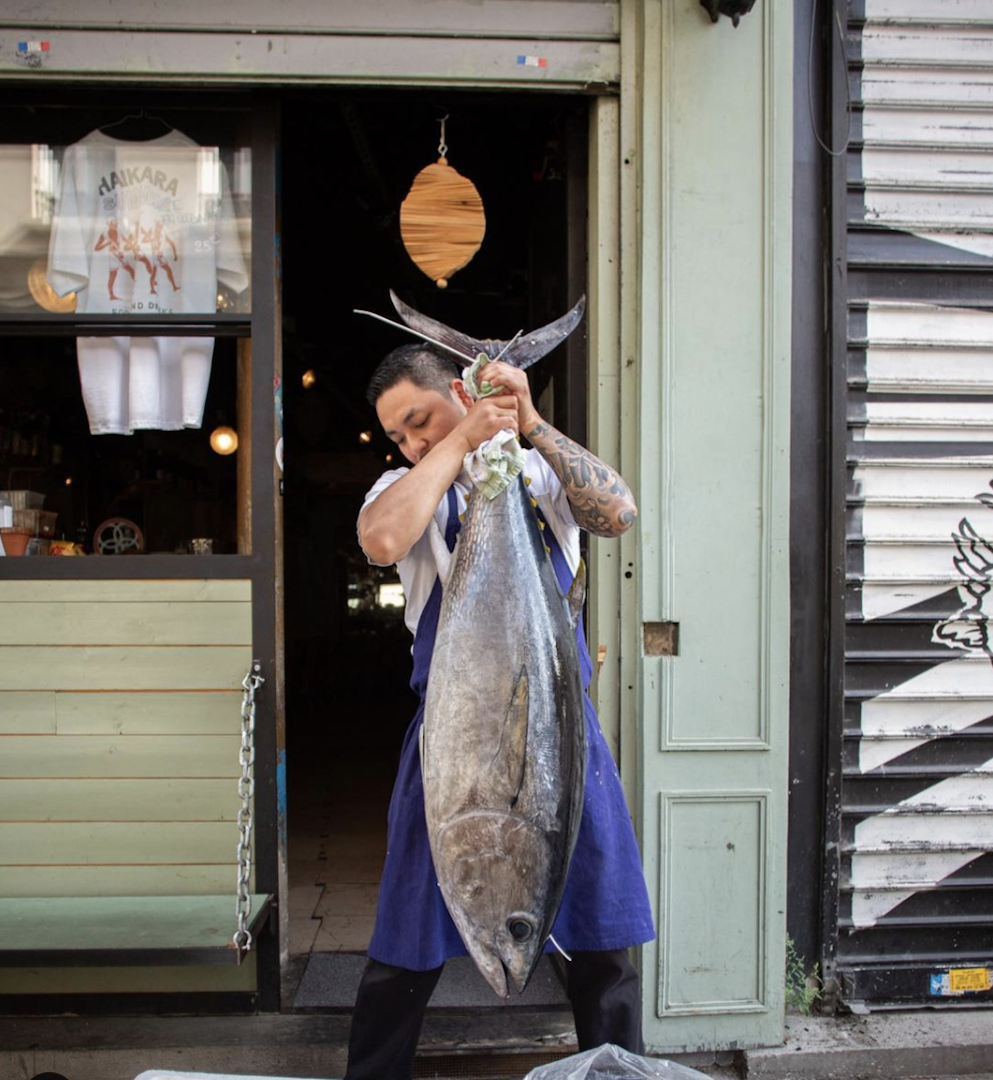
[[884, 1045]]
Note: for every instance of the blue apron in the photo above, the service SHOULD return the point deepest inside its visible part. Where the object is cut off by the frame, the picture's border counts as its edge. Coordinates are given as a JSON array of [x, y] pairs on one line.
[[605, 905]]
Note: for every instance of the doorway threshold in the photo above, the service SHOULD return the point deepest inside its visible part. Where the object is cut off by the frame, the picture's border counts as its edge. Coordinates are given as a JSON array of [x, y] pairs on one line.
[[331, 980]]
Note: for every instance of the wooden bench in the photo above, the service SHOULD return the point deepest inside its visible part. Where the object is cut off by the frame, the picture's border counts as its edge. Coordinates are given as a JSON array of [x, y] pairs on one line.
[[134, 931]]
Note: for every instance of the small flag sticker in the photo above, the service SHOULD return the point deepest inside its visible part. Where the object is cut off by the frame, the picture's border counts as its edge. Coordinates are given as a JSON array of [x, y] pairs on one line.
[[532, 61], [27, 47]]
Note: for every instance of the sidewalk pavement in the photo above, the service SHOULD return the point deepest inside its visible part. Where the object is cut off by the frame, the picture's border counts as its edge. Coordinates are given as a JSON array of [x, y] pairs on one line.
[[879, 1046], [947, 1045]]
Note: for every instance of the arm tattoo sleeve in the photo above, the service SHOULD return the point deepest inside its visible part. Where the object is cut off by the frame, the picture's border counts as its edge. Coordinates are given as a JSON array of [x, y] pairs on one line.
[[601, 501]]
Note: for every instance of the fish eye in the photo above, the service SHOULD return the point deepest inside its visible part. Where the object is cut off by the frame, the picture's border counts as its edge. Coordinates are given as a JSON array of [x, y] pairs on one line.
[[520, 929]]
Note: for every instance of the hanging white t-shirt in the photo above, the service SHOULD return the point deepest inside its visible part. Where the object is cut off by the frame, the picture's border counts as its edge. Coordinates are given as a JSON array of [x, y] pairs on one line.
[[429, 558], [144, 228]]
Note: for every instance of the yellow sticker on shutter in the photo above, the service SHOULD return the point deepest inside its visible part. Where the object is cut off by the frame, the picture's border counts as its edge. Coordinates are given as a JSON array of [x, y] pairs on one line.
[[960, 979]]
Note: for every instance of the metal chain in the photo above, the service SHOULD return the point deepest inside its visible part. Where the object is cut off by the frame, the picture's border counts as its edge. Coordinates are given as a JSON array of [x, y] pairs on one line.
[[246, 790]]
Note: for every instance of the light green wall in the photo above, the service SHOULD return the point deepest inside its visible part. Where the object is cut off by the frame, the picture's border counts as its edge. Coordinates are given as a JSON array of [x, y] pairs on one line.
[[120, 722], [706, 122]]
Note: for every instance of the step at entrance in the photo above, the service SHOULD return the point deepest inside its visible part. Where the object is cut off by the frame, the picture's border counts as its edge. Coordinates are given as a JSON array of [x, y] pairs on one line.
[[331, 980]]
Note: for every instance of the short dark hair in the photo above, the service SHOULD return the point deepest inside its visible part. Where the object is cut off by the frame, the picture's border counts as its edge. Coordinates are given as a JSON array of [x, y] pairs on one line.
[[421, 364]]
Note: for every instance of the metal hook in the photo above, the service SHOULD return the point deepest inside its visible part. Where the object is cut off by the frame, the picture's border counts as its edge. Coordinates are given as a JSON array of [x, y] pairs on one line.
[[442, 145]]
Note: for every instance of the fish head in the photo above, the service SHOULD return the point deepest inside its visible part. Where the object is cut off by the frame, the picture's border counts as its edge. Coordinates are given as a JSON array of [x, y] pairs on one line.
[[494, 875]]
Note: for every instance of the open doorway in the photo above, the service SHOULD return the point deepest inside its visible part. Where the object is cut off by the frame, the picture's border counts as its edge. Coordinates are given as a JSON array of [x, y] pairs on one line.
[[348, 160]]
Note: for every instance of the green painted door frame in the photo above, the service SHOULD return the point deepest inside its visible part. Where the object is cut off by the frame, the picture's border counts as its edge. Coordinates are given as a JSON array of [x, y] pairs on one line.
[[690, 271], [690, 265]]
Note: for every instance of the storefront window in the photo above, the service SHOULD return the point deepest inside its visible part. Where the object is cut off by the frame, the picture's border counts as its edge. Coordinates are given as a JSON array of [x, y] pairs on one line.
[[109, 225], [125, 300], [151, 492]]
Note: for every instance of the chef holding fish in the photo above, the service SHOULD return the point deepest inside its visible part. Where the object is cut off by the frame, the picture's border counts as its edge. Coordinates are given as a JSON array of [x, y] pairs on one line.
[[508, 832]]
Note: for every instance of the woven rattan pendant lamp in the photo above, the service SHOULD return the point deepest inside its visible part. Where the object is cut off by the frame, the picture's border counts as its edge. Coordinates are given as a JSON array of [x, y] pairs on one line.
[[442, 222]]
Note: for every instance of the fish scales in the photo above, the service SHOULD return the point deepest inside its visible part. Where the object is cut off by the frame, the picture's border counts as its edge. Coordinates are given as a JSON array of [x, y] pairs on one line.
[[503, 741]]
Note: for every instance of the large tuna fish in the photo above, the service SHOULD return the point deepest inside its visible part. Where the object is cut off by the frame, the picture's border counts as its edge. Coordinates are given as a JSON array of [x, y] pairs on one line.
[[503, 741]]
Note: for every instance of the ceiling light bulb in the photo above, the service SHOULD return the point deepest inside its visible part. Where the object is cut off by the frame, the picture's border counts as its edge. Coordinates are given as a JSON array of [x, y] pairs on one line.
[[224, 440]]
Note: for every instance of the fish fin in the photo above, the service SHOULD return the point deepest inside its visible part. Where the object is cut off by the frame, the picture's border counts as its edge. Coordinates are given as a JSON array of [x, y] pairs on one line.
[[521, 352], [466, 346], [512, 750], [559, 947], [439, 549], [532, 346], [577, 594]]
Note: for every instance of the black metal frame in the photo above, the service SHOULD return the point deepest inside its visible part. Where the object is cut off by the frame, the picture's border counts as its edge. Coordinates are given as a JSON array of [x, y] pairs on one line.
[[263, 329], [808, 516], [217, 325], [266, 280], [837, 300]]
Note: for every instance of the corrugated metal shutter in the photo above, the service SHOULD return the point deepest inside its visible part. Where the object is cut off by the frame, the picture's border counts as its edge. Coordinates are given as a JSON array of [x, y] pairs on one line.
[[915, 917]]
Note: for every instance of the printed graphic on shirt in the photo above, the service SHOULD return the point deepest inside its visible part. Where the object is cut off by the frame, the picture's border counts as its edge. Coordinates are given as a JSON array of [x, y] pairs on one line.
[[144, 228]]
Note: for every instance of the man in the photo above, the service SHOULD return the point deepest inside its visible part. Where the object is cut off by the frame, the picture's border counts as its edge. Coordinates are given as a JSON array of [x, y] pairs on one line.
[[410, 517]]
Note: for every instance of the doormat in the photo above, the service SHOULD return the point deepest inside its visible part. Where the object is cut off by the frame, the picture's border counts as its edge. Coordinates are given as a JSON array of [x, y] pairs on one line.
[[331, 980]]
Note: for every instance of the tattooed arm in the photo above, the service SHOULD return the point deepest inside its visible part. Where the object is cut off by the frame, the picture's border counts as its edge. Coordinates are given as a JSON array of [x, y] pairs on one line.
[[601, 501]]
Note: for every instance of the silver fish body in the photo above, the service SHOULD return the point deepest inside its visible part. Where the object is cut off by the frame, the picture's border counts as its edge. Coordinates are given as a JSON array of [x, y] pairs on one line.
[[503, 740]]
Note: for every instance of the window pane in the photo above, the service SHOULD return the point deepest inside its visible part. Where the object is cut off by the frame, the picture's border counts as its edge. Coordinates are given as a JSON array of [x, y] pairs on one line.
[[124, 220], [154, 491]]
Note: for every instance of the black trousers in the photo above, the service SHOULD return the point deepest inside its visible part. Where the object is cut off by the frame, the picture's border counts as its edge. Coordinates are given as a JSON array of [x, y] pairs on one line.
[[602, 988]]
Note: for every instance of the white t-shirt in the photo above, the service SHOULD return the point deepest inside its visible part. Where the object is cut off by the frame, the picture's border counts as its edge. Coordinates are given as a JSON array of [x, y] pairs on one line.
[[144, 228], [429, 557]]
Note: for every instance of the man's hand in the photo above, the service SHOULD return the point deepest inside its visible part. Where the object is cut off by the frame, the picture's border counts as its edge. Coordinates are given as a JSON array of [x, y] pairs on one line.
[[486, 417], [512, 381], [601, 501]]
